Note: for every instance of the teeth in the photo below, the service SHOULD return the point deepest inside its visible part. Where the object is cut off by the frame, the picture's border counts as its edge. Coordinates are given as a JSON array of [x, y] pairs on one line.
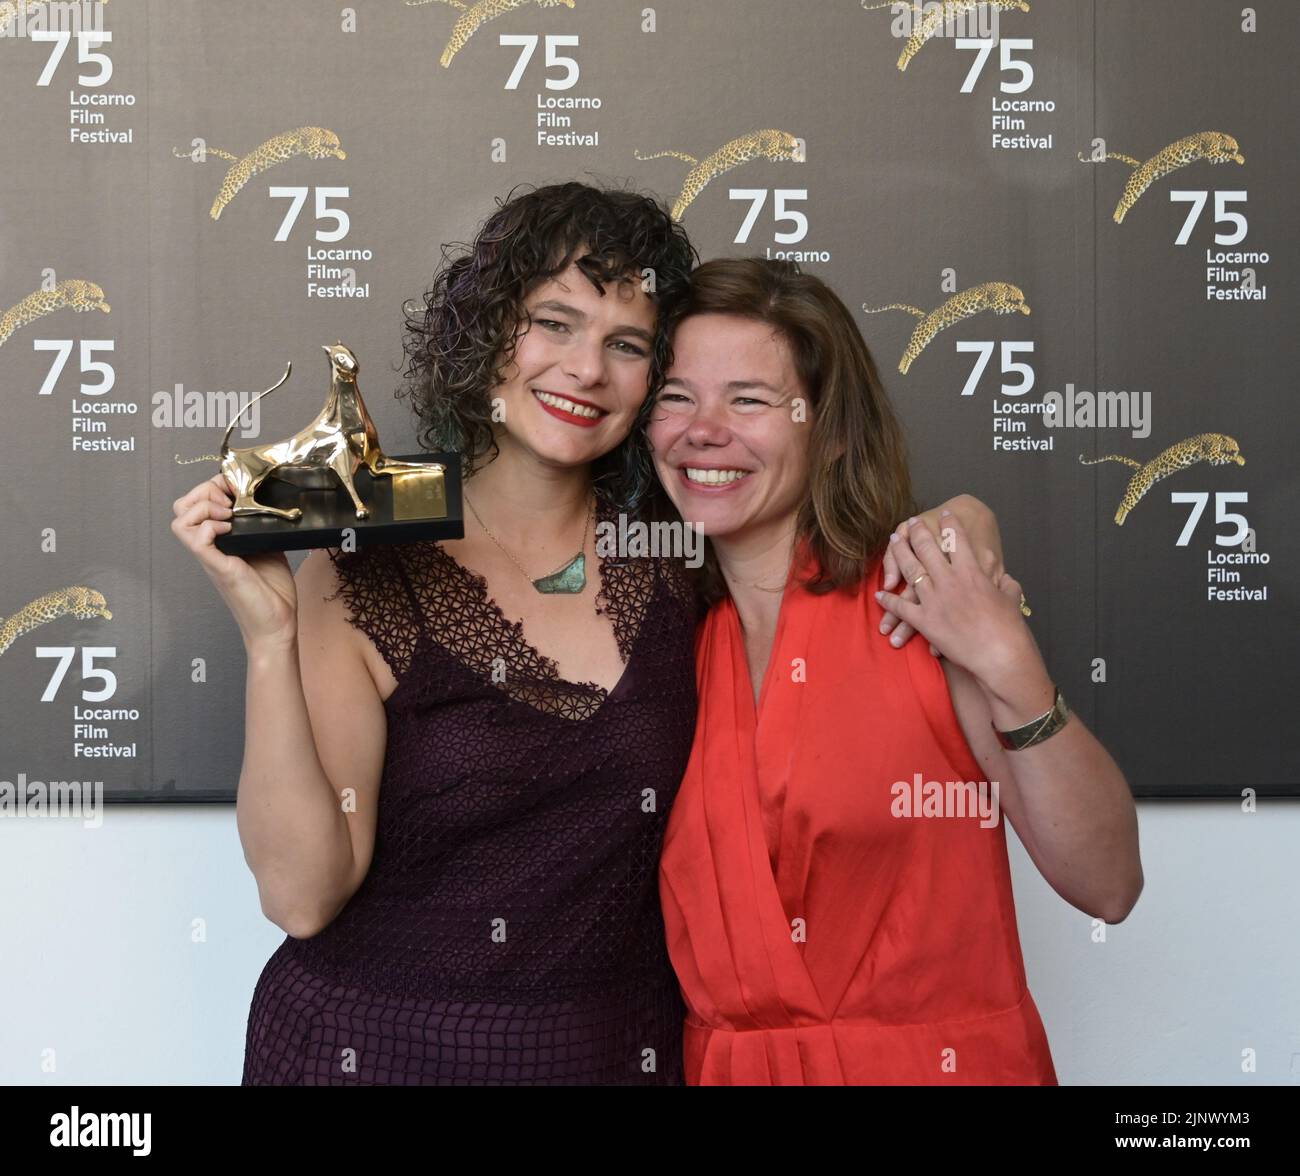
[[564, 405], [715, 477]]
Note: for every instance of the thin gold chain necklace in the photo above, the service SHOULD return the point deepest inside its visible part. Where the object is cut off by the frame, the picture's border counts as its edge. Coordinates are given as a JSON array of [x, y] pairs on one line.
[[569, 579]]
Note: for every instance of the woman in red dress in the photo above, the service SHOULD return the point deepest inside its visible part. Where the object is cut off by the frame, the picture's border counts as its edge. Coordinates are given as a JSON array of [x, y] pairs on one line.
[[834, 877]]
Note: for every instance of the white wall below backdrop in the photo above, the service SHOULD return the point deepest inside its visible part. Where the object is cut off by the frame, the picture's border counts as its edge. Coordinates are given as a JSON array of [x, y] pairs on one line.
[[100, 964]]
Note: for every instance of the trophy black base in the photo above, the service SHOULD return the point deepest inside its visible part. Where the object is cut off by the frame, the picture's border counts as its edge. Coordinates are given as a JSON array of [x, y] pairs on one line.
[[327, 511]]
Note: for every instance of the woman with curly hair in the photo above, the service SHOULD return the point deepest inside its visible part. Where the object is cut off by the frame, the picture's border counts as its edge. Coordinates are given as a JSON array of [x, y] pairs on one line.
[[460, 755]]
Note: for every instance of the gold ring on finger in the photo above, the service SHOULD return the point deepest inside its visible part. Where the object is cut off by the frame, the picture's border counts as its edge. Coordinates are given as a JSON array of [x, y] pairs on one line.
[[919, 578]]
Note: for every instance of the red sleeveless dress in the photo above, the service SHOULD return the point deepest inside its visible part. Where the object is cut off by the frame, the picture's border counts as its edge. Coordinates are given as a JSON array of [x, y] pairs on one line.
[[819, 938]]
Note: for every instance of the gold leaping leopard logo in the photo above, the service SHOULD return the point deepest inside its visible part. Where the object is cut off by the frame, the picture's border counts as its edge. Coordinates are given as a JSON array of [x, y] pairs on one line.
[[9, 9], [769, 144], [313, 142], [1211, 146], [933, 15], [472, 16], [1216, 448], [77, 601], [73, 294], [998, 297]]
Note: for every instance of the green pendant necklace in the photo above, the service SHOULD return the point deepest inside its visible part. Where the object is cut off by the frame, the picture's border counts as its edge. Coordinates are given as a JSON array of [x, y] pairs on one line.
[[570, 579]]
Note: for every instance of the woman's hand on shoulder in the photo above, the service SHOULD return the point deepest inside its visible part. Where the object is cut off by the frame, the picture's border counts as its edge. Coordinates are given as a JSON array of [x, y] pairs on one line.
[[981, 525], [959, 609]]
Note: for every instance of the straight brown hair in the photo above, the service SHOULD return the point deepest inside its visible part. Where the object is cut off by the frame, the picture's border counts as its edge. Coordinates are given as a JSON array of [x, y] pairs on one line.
[[859, 485]]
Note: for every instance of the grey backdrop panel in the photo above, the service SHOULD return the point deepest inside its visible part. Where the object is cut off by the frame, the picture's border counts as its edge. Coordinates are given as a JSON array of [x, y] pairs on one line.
[[907, 199]]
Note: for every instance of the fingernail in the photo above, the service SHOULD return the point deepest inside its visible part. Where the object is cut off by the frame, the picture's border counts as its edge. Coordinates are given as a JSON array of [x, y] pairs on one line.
[[894, 537], [912, 521], [895, 641], [944, 513]]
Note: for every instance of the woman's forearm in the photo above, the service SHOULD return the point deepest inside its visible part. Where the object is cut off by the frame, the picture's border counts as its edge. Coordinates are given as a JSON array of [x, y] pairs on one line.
[[290, 819], [1075, 802]]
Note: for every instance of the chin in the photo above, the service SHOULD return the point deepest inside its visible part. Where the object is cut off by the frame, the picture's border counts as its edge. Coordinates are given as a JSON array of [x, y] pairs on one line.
[[571, 451], [722, 529], [716, 522]]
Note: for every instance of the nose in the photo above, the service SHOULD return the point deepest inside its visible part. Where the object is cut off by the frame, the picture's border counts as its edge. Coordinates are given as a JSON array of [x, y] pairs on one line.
[[584, 360], [707, 428]]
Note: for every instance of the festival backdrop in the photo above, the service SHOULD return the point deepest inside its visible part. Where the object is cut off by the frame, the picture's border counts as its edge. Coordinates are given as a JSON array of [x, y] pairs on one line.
[[1067, 229]]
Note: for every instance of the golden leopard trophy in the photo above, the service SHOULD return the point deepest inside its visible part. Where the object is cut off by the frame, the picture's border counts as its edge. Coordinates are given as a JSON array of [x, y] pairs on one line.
[[329, 454]]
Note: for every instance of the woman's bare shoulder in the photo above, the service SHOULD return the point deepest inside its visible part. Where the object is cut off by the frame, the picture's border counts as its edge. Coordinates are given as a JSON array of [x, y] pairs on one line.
[[326, 622]]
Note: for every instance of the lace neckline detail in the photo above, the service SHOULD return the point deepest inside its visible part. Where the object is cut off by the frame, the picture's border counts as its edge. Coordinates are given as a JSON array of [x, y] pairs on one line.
[[546, 665], [457, 612], [416, 600]]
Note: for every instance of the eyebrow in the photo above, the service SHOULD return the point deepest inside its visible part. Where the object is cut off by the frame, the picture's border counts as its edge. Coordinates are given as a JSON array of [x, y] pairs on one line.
[[731, 385], [581, 316]]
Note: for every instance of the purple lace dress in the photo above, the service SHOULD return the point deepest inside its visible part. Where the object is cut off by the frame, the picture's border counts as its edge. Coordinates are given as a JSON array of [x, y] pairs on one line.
[[509, 930]]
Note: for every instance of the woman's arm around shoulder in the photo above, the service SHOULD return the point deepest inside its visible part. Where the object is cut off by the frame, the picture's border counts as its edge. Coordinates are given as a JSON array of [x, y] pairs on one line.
[[1065, 796]]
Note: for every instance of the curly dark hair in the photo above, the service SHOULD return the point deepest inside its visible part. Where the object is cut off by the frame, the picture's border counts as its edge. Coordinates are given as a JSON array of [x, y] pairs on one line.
[[464, 338]]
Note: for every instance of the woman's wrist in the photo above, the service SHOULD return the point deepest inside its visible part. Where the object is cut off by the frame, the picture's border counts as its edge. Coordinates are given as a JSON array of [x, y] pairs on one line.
[[1019, 690], [270, 653]]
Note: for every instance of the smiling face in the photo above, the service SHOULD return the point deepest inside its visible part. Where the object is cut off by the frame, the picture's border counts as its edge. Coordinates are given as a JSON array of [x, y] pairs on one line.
[[580, 372], [730, 430]]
